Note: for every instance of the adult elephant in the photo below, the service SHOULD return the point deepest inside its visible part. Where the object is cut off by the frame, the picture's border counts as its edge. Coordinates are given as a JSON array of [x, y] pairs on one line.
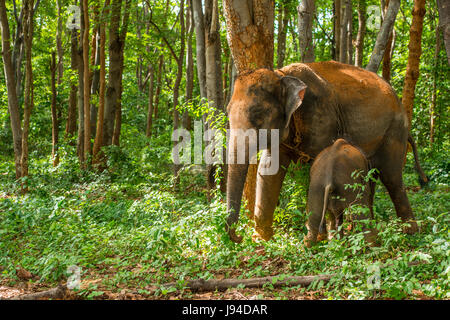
[[314, 104]]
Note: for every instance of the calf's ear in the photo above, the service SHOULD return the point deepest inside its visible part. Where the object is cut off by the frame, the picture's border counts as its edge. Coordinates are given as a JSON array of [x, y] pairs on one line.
[[292, 94]]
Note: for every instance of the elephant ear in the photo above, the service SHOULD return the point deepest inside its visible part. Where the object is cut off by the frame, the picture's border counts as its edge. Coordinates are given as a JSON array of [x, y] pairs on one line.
[[292, 93]]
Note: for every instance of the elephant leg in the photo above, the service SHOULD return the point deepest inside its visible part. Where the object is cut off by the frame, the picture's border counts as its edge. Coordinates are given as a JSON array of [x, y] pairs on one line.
[[268, 189], [372, 187], [396, 189]]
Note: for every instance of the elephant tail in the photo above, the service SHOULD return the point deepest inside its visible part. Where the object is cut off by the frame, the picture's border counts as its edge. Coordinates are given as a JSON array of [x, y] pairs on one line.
[[423, 178], [325, 205]]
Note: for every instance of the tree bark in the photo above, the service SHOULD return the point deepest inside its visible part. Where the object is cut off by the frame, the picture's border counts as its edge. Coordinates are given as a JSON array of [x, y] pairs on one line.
[[305, 25], [187, 122], [434, 93], [362, 17], [158, 84], [53, 69], [28, 27], [117, 34], [86, 86], [71, 125], [250, 33], [80, 92], [214, 84], [343, 48], [148, 130], [13, 102], [200, 45], [444, 23], [383, 36], [349, 16], [224, 284], [99, 142], [387, 53], [337, 28], [415, 50], [283, 20]]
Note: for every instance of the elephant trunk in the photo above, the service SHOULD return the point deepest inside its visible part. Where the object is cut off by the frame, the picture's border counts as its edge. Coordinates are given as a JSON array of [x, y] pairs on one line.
[[237, 174]]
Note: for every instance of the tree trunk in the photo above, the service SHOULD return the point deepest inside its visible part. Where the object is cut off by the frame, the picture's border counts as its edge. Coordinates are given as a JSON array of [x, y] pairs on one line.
[[200, 45], [117, 34], [362, 17], [158, 84], [383, 36], [71, 125], [28, 96], [148, 130], [53, 69], [214, 83], [250, 53], [187, 123], [434, 93], [415, 50], [283, 20], [349, 16], [13, 102], [180, 61], [387, 53], [337, 27], [86, 85], [99, 142], [305, 25], [80, 92], [444, 23], [255, 18], [343, 48]]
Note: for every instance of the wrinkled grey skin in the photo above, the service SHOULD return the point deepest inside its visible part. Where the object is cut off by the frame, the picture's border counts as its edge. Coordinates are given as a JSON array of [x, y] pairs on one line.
[[340, 101], [335, 169]]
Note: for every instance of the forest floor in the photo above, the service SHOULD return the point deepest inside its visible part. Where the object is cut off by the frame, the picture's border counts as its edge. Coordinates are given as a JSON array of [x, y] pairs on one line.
[[128, 233]]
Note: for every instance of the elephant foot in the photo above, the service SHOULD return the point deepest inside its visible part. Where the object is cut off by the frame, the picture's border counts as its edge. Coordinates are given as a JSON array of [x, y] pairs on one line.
[[412, 228], [264, 233], [308, 242], [234, 237]]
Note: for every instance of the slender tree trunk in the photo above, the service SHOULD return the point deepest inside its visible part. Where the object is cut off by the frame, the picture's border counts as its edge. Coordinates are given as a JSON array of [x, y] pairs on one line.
[[86, 85], [148, 130], [434, 93], [13, 102], [53, 69], [387, 53], [28, 96], [95, 83], [214, 83], [158, 84], [362, 17], [343, 48], [71, 125], [80, 93], [444, 23], [197, 9], [337, 28], [180, 63], [99, 142], [305, 25], [283, 20], [415, 50], [383, 36], [189, 63], [349, 16]]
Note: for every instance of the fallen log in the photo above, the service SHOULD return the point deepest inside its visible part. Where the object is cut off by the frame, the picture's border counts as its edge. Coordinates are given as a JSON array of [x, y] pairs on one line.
[[55, 293], [275, 281]]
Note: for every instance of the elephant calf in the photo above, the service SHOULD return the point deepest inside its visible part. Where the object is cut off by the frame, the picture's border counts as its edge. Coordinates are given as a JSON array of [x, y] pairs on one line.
[[330, 173]]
